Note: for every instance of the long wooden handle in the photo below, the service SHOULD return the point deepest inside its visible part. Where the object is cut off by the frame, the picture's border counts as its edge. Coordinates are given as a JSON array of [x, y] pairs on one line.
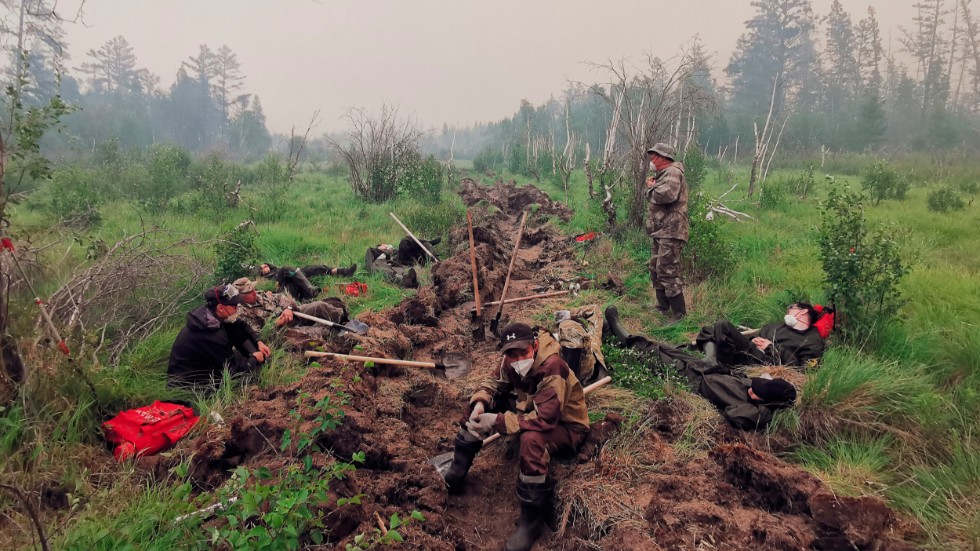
[[598, 384], [315, 319], [529, 297], [412, 235], [513, 258], [476, 285], [386, 361]]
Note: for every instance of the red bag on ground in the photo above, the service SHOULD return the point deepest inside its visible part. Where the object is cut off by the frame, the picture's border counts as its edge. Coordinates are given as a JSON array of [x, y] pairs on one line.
[[149, 429], [825, 323]]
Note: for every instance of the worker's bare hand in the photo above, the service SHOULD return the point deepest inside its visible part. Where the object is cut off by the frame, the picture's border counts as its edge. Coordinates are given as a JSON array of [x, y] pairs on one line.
[[259, 356], [284, 318], [651, 181], [264, 348], [761, 343]]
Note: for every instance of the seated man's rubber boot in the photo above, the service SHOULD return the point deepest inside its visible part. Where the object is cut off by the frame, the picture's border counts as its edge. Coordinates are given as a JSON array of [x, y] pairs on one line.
[[663, 303], [410, 280], [678, 306], [435, 241], [573, 357], [710, 353], [467, 446], [535, 500], [612, 322]]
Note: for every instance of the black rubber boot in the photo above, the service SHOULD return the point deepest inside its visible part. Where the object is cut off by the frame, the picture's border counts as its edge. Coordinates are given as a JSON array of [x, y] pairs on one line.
[[535, 502], [467, 446], [612, 322], [410, 280], [573, 357], [710, 353], [663, 303], [678, 306], [348, 271], [435, 241]]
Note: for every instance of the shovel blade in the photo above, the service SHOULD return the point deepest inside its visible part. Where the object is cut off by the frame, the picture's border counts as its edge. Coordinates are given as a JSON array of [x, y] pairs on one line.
[[356, 326], [454, 365], [442, 462]]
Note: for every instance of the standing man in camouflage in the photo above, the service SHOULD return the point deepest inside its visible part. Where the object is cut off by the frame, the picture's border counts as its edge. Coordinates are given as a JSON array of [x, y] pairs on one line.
[[667, 225]]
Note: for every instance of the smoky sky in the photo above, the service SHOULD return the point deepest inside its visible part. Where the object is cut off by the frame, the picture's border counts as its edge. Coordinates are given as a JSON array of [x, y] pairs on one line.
[[441, 61]]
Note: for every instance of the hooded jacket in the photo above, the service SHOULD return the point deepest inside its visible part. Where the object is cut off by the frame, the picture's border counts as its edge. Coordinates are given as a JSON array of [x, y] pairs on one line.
[[547, 396], [206, 345], [667, 216], [792, 347]]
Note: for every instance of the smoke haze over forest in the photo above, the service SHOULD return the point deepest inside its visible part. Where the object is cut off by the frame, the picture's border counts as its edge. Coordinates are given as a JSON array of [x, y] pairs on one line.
[[446, 62]]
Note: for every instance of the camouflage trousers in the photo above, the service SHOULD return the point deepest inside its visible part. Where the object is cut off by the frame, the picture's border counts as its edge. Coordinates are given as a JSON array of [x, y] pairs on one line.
[[665, 265]]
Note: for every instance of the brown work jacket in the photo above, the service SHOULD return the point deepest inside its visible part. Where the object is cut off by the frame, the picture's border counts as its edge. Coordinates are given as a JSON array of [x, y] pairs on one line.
[[667, 217]]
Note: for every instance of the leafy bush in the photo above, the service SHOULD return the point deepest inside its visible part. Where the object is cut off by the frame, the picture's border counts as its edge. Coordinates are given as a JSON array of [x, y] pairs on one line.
[[862, 266], [420, 178], [773, 195], [489, 161], [945, 199], [236, 252], [168, 176], [695, 166], [804, 182], [76, 195], [882, 182], [709, 253]]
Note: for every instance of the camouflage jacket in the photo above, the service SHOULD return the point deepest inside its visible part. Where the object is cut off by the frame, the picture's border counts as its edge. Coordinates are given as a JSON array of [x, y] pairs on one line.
[[667, 217], [267, 306]]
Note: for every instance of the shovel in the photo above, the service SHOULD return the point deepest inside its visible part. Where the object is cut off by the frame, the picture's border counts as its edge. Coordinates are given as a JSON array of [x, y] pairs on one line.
[[477, 314], [495, 322], [453, 365], [470, 305], [354, 326], [442, 462]]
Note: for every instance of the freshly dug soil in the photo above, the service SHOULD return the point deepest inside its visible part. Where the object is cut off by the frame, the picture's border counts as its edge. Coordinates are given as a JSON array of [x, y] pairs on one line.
[[643, 495]]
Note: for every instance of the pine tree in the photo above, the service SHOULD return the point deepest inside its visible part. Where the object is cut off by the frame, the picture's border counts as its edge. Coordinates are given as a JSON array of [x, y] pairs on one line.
[[227, 80], [113, 69]]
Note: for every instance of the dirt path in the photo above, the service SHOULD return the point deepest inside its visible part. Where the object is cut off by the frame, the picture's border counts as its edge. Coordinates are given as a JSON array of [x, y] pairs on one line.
[[637, 492]]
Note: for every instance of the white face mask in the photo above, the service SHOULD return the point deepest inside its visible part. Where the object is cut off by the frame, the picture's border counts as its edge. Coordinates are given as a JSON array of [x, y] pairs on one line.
[[522, 366], [234, 317], [794, 322]]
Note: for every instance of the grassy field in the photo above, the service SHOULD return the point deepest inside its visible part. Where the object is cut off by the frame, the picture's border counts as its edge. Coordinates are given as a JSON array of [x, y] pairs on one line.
[[896, 418]]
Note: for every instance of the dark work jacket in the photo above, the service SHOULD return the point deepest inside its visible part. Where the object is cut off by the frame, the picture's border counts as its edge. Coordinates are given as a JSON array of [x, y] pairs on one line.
[[294, 281], [792, 347], [727, 392], [206, 345]]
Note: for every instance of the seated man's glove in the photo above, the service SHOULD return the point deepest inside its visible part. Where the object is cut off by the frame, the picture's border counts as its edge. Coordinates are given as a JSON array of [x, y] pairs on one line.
[[484, 423], [478, 410]]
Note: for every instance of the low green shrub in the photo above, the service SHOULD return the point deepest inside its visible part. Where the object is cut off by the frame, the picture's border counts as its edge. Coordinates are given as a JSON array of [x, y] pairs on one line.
[[882, 182], [944, 199], [709, 253]]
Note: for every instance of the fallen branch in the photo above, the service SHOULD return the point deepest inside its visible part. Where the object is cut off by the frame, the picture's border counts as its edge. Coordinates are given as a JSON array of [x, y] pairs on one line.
[[31, 512]]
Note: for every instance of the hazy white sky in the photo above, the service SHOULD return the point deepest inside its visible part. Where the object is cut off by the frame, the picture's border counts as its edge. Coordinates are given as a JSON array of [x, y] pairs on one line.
[[455, 61]]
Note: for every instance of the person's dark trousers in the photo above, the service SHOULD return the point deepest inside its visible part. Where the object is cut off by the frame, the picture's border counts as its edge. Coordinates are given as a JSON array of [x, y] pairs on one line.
[[316, 270], [732, 347]]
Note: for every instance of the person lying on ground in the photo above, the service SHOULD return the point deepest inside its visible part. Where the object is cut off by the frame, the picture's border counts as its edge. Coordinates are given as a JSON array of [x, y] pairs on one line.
[[792, 341], [213, 339], [260, 306], [580, 336], [533, 394], [296, 282], [409, 253], [747, 403], [383, 259]]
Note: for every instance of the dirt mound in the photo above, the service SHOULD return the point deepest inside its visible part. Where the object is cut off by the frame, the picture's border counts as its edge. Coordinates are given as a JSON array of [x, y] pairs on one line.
[[511, 198]]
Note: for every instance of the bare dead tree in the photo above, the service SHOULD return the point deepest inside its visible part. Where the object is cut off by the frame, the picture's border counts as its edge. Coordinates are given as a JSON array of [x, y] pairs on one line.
[[564, 162], [298, 144], [763, 139], [607, 169], [375, 145]]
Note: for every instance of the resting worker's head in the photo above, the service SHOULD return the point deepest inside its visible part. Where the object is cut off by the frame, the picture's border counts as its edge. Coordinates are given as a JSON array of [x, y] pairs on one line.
[[800, 315], [772, 392], [224, 301], [246, 288], [661, 155], [519, 346], [265, 269]]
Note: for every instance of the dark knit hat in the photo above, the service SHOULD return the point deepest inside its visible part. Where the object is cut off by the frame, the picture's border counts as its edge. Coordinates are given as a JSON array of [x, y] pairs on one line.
[[774, 391]]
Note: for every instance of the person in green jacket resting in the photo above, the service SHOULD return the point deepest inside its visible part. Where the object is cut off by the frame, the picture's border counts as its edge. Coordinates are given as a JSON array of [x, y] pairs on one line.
[[745, 402]]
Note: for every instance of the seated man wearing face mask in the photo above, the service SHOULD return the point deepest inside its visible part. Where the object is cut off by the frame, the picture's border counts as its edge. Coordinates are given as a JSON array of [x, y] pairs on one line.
[[792, 341], [549, 416], [213, 339]]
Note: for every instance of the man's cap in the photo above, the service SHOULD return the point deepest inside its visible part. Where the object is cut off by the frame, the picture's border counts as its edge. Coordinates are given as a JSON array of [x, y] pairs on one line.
[[663, 150], [774, 391], [516, 335], [226, 294], [244, 285]]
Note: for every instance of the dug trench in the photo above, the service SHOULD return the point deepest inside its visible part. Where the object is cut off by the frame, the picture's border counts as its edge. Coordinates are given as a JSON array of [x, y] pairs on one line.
[[628, 489]]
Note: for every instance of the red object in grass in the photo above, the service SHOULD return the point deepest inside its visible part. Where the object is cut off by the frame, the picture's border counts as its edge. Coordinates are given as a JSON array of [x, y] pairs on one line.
[[354, 289], [7, 243], [148, 430], [825, 323], [586, 237]]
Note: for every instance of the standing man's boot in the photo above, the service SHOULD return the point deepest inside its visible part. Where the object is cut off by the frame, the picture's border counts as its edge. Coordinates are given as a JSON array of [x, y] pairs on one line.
[[663, 303], [467, 446], [535, 499], [348, 271], [678, 306]]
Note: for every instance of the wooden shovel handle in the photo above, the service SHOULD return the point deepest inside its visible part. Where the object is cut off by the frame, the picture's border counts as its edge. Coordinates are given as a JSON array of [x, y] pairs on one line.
[[314, 319], [598, 384], [412, 235], [513, 259], [348, 357], [476, 285], [529, 297]]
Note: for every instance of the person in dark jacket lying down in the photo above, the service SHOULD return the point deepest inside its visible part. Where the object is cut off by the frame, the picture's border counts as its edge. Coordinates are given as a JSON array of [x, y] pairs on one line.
[[792, 341], [747, 403]]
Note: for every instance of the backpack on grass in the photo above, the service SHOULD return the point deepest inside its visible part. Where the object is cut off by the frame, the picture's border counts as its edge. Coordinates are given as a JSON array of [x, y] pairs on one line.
[[148, 430]]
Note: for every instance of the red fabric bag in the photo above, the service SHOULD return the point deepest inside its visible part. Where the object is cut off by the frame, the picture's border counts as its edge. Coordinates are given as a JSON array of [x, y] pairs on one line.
[[148, 430], [825, 323]]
